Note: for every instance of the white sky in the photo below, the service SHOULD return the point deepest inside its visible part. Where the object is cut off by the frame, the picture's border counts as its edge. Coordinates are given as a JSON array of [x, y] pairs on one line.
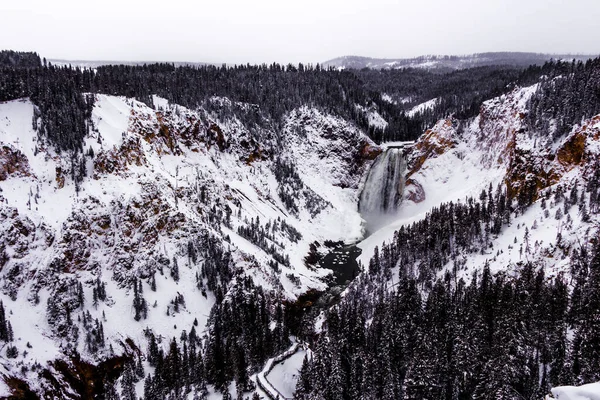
[[256, 31]]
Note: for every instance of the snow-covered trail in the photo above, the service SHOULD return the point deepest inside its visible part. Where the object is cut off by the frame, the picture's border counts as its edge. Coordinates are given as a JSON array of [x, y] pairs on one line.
[[261, 378]]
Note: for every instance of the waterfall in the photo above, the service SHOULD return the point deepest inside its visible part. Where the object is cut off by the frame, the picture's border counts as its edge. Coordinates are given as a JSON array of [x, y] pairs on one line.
[[383, 188]]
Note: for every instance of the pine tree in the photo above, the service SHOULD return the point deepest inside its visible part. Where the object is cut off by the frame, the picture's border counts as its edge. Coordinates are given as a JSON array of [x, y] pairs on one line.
[[304, 386], [128, 383], [175, 270], [589, 352], [139, 303], [153, 283], [5, 327]]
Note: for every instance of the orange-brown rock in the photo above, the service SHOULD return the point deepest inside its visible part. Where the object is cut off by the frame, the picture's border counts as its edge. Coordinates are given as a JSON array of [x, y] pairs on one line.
[[12, 163], [432, 144], [216, 134], [118, 160], [573, 151], [60, 178], [370, 152]]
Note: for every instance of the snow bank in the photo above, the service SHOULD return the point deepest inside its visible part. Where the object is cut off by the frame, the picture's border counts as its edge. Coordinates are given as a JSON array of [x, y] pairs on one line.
[[284, 376], [419, 108], [590, 391]]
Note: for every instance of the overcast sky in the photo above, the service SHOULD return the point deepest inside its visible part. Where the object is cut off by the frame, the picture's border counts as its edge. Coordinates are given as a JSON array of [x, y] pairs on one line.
[[256, 31]]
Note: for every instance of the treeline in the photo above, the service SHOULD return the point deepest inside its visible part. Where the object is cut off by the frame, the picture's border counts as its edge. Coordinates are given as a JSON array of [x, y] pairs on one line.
[[454, 229], [63, 109], [276, 89], [498, 337], [446, 232], [459, 93], [19, 59], [405, 331], [569, 93], [245, 329]]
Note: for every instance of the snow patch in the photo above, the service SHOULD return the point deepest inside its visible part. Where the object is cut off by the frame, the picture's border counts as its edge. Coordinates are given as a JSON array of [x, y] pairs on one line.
[[590, 391], [419, 108]]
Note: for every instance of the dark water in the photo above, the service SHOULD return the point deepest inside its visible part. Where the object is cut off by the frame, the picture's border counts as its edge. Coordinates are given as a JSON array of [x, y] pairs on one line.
[[342, 261]]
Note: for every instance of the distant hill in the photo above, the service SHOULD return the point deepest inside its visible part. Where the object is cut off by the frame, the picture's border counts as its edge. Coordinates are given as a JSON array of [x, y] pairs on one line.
[[99, 63], [446, 63]]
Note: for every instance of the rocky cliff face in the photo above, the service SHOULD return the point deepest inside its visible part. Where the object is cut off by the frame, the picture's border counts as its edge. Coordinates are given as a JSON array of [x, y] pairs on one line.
[[498, 150], [499, 142], [156, 195], [166, 206]]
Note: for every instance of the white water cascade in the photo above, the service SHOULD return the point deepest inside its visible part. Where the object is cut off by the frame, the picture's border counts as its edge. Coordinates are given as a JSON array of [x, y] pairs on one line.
[[382, 193]]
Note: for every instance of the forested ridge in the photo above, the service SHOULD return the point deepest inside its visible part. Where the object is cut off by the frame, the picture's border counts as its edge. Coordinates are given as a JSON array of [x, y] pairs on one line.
[[277, 89], [403, 331]]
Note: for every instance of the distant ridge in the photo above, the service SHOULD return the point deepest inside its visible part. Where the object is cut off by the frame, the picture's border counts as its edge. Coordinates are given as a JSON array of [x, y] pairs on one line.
[[99, 63], [435, 62], [439, 63]]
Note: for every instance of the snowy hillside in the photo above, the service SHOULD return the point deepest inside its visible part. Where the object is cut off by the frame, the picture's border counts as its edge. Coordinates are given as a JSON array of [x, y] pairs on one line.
[[140, 211], [483, 283], [454, 160], [419, 108], [434, 62], [584, 392]]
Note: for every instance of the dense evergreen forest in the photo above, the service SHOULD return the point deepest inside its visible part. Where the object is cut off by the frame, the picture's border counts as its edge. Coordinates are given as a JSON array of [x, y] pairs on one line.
[[567, 94], [403, 331], [59, 92], [411, 334]]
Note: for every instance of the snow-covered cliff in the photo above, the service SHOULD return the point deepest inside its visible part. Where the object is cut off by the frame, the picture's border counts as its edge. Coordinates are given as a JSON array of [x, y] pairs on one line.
[[144, 207]]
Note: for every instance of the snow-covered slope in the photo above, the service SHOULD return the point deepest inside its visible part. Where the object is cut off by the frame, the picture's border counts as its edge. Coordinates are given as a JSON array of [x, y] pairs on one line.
[[590, 391], [419, 108], [450, 62], [154, 190], [374, 119], [456, 159], [170, 204]]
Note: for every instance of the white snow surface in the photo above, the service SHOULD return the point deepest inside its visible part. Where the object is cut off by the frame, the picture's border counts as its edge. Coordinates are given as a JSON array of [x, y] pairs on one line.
[[284, 375], [590, 391], [387, 98], [4, 389], [419, 108], [373, 117]]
